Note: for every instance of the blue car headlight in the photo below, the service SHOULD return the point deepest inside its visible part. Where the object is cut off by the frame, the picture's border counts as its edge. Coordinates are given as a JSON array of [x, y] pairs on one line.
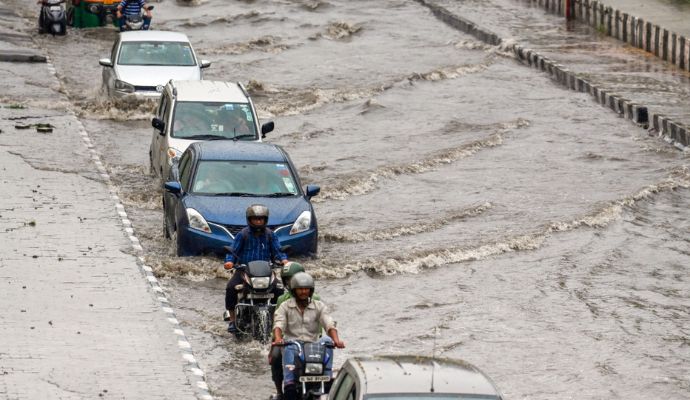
[[302, 223], [197, 221]]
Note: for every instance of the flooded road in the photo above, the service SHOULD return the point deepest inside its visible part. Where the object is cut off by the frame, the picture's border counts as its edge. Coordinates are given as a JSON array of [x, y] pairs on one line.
[[544, 238]]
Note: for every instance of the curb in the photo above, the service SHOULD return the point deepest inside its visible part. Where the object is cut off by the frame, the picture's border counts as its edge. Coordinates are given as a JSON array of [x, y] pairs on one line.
[[673, 132], [194, 373], [21, 56]]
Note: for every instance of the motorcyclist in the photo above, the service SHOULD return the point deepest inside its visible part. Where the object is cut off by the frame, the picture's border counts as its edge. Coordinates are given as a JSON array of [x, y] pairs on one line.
[[254, 242], [301, 318], [274, 356], [133, 7]]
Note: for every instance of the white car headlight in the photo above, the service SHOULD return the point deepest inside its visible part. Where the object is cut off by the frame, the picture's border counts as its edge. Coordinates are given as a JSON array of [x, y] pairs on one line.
[[172, 153], [260, 283], [313, 369], [123, 86], [196, 221], [302, 223]]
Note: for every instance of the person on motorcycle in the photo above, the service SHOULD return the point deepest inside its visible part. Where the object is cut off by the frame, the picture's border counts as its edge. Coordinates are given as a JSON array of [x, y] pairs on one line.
[[301, 318], [133, 7], [254, 242], [274, 357]]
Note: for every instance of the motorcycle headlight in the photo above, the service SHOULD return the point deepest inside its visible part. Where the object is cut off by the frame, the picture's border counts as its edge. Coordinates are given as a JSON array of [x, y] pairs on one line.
[[172, 153], [260, 283], [313, 369], [302, 223], [196, 221], [123, 86]]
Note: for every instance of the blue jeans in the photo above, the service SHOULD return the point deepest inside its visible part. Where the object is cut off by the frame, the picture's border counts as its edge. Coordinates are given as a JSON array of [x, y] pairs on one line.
[[291, 353]]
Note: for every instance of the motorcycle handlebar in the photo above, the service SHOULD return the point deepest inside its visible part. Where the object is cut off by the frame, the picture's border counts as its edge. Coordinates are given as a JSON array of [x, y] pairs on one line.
[[289, 342]]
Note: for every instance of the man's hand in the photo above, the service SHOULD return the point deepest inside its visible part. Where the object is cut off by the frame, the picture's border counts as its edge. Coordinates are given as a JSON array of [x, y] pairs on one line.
[[284, 262], [228, 265], [339, 344], [278, 342]]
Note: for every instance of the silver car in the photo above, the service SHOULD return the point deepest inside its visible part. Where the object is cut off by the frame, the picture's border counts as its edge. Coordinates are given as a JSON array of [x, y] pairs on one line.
[[411, 378], [142, 62]]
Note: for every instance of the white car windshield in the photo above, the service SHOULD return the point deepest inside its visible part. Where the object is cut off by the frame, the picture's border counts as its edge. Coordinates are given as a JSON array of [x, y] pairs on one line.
[[205, 121], [156, 53], [244, 178]]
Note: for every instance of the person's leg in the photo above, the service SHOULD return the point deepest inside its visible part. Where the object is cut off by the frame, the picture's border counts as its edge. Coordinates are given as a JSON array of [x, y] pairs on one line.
[[231, 300], [276, 361], [289, 384], [121, 22], [147, 23]]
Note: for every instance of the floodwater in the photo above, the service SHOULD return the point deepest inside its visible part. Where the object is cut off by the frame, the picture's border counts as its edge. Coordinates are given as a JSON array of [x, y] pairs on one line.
[[470, 207]]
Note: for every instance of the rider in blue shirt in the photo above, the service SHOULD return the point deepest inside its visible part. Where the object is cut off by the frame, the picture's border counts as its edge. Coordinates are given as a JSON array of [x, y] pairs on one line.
[[133, 7], [252, 243]]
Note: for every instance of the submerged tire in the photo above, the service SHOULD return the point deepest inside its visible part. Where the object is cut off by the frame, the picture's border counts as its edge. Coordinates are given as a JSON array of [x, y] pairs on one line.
[[263, 326]]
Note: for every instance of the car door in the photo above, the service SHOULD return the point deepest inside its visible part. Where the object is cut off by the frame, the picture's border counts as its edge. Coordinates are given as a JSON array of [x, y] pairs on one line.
[[109, 72], [160, 142], [185, 173]]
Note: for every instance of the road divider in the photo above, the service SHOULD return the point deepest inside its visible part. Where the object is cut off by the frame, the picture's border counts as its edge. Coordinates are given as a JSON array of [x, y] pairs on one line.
[[596, 14]]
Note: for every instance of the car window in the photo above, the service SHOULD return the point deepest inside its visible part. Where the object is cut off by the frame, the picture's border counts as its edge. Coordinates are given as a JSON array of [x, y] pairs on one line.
[[185, 169], [244, 178], [223, 120], [347, 389], [113, 52], [162, 106], [156, 53]]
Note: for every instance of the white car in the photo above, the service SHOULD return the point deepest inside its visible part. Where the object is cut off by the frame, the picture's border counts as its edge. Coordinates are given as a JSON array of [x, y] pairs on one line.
[[142, 62], [192, 111]]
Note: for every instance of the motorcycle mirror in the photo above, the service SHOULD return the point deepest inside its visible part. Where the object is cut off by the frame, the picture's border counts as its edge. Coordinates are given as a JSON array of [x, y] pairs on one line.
[[149, 7]]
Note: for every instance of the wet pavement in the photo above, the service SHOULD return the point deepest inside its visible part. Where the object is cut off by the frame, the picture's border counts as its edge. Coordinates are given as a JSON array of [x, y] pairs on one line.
[[671, 14], [79, 318], [611, 65], [469, 205]]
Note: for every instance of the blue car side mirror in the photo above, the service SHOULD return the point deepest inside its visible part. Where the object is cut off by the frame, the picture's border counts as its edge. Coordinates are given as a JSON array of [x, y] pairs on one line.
[[173, 187], [313, 190]]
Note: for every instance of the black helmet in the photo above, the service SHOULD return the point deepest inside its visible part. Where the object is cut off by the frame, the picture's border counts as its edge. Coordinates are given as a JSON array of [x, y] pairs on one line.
[[302, 280], [289, 270], [257, 211]]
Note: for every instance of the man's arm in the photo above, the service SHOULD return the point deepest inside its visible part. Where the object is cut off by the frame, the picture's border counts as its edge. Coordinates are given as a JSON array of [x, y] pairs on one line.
[[230, 257], [328, 324], [275, 246], [279, 322]]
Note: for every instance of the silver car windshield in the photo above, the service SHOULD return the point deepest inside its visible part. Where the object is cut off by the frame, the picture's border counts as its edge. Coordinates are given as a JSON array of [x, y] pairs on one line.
[[244, 178], [156, 53], [204, 121]]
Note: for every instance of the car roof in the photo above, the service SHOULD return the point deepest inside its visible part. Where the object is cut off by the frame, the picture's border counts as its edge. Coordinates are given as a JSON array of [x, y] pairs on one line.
[[211, 91], [236, 150], [153, 36], [413, 374]]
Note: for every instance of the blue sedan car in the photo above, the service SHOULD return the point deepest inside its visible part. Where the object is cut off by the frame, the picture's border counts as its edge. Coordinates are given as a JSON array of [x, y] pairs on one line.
[[213, 184]]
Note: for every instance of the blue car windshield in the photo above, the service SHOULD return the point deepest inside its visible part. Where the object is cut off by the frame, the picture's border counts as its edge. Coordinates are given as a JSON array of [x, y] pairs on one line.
[[197, 120], [178, 54], [244, 178]]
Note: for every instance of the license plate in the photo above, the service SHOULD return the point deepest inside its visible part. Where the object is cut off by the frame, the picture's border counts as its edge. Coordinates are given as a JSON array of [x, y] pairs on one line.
[[315, 378], [260, 295]]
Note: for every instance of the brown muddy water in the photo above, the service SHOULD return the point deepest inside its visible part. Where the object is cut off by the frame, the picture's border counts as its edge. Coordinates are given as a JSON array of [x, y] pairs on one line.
[[543, 237]]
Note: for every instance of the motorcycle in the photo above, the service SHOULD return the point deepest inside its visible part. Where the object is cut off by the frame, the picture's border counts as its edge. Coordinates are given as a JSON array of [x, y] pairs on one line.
[[53, 18], [311, 361], [255, 300], [135, 22]]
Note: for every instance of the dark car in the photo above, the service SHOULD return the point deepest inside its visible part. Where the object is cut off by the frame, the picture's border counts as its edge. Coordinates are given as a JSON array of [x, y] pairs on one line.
[[213, 184], [411, 378]]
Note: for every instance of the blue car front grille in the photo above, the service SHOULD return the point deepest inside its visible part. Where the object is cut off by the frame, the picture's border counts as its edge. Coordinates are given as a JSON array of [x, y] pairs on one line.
[[235, 229]]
